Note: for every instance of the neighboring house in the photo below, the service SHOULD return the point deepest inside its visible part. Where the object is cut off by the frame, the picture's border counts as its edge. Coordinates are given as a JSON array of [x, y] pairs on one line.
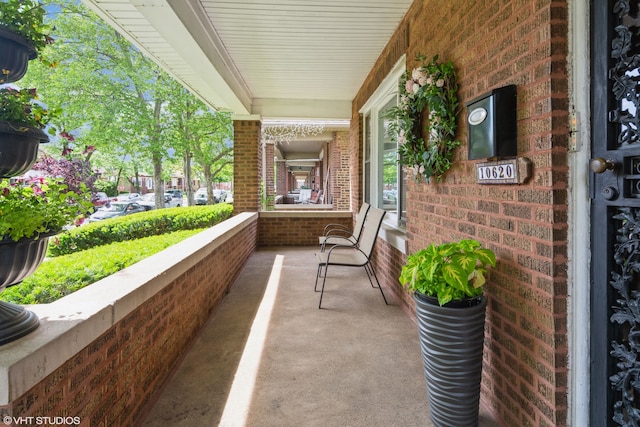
[[144, 184]]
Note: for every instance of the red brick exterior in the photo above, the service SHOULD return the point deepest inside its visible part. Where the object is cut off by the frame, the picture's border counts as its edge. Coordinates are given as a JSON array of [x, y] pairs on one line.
[[247, 161], [110, 382], [356, 166], [493, 44], [269, 173], [281, 178], [340, 171], [281, 229]]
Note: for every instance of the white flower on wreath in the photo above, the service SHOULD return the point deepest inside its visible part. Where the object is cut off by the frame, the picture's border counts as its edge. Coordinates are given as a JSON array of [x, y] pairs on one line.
[[419, 76], [402, 139]]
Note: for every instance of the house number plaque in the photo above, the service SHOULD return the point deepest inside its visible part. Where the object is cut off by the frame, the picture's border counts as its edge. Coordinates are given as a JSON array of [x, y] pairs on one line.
[[512, 171]]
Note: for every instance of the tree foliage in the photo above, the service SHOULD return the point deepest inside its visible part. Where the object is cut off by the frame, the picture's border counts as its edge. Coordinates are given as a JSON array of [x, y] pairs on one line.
[[121, 104]]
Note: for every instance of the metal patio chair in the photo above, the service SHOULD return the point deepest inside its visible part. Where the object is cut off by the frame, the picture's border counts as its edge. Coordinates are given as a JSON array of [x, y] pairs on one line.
[[338, 234], [354, 255]]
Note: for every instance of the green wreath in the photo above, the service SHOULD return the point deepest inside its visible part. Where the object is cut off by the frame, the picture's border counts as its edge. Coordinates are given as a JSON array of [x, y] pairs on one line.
[[432, 86]]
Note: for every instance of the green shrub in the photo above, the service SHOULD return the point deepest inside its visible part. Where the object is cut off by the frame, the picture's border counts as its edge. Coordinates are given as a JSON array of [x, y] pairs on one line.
[[137, 226], [64, 275]]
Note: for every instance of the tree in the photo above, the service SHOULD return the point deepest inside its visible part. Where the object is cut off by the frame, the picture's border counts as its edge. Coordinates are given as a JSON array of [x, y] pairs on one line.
[[113, 97], [201, 135]]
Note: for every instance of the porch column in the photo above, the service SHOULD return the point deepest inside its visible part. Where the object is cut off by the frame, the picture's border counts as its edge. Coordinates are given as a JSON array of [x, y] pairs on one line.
[[247, 165], [340, 175], [281, 178], [269, 153]]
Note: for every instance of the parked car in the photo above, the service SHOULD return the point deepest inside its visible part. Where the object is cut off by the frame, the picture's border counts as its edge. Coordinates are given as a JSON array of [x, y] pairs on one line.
[[124, 197], [200, 198], [176, 194], [149, 200], [171, 201], [389, 196], [99, 199], [114, 209], [219, 196]]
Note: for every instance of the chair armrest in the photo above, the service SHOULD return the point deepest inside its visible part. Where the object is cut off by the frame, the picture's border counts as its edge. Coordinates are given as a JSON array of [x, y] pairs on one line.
[[334, 226], [339, 233], [352, 247]]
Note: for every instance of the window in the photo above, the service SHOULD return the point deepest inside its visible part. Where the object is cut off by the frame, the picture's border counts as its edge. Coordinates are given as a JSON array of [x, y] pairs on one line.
[[384, 179]]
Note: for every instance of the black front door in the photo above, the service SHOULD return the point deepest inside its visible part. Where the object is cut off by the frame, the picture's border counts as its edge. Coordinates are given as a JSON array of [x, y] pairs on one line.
[[615, 214]]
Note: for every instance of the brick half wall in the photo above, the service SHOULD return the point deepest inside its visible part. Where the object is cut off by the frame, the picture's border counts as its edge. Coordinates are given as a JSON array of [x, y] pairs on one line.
[[296, 228], [148, 321]]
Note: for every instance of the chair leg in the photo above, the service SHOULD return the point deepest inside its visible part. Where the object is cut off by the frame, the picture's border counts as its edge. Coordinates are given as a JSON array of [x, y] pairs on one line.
[[315, 288], [368, 269], [324, 279], [373, 271], [321, 274]]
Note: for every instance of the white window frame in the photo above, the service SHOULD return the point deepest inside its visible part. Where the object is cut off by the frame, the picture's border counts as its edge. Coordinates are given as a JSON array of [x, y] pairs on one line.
[[387, 91]]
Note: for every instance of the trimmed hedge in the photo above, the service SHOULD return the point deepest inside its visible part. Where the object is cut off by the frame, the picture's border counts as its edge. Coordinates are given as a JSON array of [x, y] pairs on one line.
[[64, 275], [137, 226]]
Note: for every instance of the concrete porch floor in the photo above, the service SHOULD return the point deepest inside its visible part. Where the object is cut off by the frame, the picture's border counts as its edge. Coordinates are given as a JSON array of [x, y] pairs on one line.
[[356, 362]]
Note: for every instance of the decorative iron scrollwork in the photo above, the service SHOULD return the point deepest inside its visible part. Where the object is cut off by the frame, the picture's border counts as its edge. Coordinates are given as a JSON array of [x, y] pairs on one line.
[[625, 75], [626, 313]]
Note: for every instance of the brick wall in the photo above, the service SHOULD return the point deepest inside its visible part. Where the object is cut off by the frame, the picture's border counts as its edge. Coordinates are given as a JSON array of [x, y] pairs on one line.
[[110, 381], [281, 178], [341, 177], [247, 165], [492, 44], [356, 166], [388, 261], [297, 228], [269, 153]]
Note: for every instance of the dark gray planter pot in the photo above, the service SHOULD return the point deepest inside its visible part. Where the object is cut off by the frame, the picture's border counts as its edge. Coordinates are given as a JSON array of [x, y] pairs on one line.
[[452, 341], [15, 54], [18, 260], [18, 148]]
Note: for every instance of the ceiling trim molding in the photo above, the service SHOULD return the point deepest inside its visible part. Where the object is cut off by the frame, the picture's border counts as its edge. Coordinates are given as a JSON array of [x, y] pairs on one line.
[[194, 18]]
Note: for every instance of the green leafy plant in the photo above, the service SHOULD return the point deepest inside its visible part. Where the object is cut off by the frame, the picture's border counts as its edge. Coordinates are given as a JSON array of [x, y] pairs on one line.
[[427, 151], [39, 206], [26, 19], [140, 225], [450, 271], [266, 202], [21, 110], [61, 276]]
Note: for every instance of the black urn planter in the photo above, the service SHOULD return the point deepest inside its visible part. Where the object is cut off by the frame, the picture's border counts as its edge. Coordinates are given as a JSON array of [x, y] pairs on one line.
[[15, 54], [452, 341], [18, 148], [18, 260]]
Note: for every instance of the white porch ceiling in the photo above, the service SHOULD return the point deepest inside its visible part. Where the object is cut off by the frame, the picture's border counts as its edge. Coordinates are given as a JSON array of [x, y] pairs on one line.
[[284, 59]]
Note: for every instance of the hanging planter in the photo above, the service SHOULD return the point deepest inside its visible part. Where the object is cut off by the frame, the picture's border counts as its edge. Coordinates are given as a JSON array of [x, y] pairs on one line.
[[15, 54], [18, 148], [23, 34]]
